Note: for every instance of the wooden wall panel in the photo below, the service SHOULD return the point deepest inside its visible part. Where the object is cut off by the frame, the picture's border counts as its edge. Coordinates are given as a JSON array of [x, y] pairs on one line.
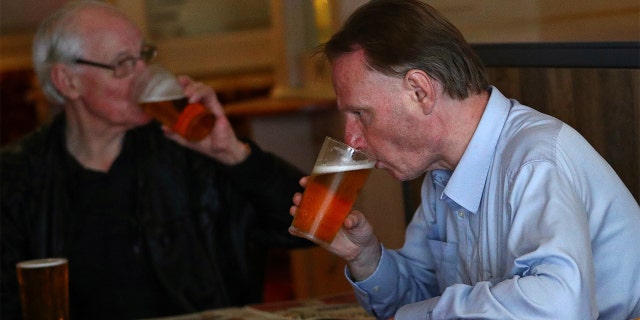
[[602, 104]]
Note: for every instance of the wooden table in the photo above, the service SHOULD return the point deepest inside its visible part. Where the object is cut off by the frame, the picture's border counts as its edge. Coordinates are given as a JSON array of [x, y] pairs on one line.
[[336, 307]]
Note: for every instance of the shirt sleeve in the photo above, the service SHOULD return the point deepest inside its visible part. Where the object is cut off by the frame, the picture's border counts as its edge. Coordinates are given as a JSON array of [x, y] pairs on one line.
[[402, 276], [548, 252]]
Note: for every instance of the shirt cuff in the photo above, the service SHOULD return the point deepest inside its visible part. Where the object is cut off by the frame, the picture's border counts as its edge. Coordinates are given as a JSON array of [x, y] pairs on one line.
[[377, 277], [377, 289]]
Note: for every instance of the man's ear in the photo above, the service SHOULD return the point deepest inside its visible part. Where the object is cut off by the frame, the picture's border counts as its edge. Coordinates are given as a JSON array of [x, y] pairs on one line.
[[423, 87], [65, 81]]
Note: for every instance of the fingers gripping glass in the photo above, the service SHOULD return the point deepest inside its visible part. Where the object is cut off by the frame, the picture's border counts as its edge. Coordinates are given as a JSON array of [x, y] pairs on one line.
[[125, 66]]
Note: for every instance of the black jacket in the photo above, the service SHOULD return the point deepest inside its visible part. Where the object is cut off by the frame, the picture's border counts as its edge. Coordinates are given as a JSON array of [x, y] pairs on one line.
[[205, 226]]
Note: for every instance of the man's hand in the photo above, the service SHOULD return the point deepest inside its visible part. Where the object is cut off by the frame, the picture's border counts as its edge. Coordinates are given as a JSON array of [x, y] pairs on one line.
[[221, 143], [356, 242]]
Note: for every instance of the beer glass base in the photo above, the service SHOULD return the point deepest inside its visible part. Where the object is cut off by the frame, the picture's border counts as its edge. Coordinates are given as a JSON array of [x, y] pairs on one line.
[[311, 237]]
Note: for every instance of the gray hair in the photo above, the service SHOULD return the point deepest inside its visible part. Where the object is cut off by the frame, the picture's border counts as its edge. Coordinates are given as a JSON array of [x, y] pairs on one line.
[[400, 35], [59, 40]]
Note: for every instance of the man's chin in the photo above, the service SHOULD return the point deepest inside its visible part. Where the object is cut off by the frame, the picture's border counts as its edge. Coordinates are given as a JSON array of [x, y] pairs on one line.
[[140, 121], [396, 175], [402, 176], [144, 120]]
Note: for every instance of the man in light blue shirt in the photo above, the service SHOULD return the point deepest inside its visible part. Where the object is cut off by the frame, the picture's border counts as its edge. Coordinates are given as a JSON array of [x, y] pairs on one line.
[[520, 216]]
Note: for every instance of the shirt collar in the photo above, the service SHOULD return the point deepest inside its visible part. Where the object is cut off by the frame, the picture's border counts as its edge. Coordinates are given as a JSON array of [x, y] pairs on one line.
[[466, 185]]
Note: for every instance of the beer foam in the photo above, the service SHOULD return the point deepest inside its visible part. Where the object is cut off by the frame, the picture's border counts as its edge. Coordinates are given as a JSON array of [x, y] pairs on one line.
[[342, 168], [157, 99], [157, 84], [41, 263]]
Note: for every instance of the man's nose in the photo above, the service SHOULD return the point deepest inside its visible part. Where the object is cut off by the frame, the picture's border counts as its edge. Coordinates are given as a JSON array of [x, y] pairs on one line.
[[354, 138]]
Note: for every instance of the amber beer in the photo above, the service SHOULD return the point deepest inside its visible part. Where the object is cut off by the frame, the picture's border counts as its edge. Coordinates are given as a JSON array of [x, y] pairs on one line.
[[44, 289], [192, 121], [328, 198]]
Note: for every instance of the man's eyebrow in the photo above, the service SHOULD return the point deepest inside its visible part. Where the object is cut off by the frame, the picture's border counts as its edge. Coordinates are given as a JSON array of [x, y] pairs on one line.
[[124, 54], [357, 107], [347, 107]]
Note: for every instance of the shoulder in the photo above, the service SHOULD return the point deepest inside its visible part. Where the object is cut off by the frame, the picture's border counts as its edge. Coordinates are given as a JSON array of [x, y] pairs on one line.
[[32, 149], [535, 141], [529, 136], [532, 136], [27, 161]]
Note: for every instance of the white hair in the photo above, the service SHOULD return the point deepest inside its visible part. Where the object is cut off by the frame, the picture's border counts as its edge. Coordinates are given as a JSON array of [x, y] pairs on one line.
[[59, 40]]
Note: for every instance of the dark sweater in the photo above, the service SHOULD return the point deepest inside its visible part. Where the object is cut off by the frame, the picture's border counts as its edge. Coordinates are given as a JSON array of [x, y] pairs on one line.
[[165, 231]]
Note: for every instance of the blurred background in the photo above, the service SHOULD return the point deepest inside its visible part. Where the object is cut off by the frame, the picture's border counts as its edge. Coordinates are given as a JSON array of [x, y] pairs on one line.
[[267, 41]]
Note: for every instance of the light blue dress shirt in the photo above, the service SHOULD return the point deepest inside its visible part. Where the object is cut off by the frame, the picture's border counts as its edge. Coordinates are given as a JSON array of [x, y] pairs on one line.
[[532, 224]]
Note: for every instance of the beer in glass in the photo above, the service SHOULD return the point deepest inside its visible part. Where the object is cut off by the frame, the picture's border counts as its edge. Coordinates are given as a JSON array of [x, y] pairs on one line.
[[159, 95], [338, 175], [44, 289], [192, 121]]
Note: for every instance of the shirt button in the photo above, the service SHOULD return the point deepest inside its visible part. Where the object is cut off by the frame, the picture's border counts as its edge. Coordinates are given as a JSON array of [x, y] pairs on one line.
[[376, 288], [460, 214]]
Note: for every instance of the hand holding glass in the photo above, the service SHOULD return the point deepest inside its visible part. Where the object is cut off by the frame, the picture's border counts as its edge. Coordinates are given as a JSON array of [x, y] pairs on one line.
[[161, 97], [338, 175]]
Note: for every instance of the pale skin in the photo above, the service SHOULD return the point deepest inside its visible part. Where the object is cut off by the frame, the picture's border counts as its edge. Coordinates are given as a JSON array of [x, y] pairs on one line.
[[100, 109], [409, 124]]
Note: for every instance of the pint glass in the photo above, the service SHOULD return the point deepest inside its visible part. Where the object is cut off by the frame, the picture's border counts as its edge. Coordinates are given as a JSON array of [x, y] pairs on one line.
[[338, 175], [159, 95], [44, 289], [192, 121]]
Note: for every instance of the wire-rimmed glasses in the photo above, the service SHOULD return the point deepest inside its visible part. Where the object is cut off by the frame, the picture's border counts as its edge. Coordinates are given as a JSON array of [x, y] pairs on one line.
[[126, 65]]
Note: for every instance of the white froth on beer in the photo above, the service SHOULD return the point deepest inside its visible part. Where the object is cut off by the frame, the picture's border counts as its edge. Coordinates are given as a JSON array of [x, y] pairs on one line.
[[157, 99], [41, 263], [342, 168], [158, 84]]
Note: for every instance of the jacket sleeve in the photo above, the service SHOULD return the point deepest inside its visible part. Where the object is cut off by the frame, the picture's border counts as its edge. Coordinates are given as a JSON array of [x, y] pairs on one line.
[[27, 168], [268, 183]]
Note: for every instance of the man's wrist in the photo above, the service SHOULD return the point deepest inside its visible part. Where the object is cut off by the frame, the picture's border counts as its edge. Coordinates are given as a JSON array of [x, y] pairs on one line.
[[366, 263], [240, 153]]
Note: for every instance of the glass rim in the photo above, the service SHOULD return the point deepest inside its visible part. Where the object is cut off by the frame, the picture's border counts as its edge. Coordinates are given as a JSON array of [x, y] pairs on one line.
[[352, 148], [41, 263]]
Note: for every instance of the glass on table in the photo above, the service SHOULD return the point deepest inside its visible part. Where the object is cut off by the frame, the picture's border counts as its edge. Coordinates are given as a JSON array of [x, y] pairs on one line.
[[44, 288]]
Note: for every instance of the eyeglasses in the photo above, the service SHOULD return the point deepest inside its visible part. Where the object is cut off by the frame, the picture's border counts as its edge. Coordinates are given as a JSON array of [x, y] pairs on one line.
[[125, 66]]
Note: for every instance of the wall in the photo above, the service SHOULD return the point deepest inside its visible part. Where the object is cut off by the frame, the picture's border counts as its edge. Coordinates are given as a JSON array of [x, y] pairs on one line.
[[497, 21]]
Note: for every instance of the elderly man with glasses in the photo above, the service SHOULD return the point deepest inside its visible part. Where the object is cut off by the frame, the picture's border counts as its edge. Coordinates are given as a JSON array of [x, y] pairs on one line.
[[152, 225]]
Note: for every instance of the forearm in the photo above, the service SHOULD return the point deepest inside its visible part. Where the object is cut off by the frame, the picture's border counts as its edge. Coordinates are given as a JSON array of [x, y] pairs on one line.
[[366, 262], [231, 154], [510, 299], [265, 177], [268, 182], [393, 284]]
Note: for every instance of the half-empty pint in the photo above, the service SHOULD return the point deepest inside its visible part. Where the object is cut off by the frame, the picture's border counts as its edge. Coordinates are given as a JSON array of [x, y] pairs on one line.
[[161, 97], [338, 176], [44, 288], [191, 120]]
